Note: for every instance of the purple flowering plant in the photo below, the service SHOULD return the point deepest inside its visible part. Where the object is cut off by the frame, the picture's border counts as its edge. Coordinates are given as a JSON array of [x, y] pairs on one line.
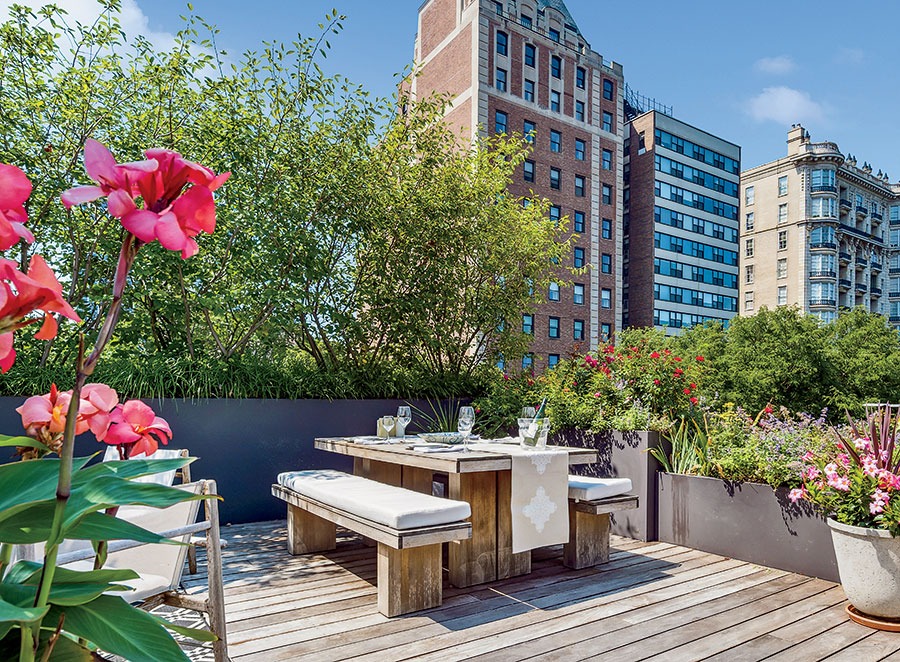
[[856, 480]]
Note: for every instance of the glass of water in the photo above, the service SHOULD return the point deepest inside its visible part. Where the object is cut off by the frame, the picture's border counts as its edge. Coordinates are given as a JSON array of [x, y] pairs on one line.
[[465, 423]]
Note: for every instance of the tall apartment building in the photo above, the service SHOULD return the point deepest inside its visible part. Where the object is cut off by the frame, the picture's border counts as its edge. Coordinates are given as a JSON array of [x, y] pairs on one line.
[[523, 66], [680, 222], [814, 233]]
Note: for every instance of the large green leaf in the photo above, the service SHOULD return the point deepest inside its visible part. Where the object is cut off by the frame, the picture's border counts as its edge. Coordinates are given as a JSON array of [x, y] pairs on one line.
[[64, 650], [193, 633], [100, 526], [21, 441], [129, 468], [11, 613], [29, 524], [118, 628], [28, 572], [23, 483]]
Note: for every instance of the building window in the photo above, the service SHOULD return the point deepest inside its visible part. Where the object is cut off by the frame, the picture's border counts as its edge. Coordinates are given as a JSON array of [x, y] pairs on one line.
[[528, 171], [525, 20], [748, 248], [607, 89], [782, 240], [782, 295], [606, 194], [554, 34], [607, 121], [502, 43], [580, 78], [498, 7], [748, 221], [579, 186], [578, 294], [605, 298], [527, 361], [749, 195], [528, 324], [500, 79], [822, 208], [822, 180], [607, 159], [782, 213], [528, 129], [499, 122], [578, 222], [748, 274], [606, 228], [748, 301], [553, 292], [579, 111], [552, 360], [782, 185], [606, 263], [605, 332], [529, 90], [529, 55], [554, 178], [578, 255], [579, 149], [554, 213], [555, 141], [556, 66], [554, 101], [553, 329], [781, 268], [578, 329]]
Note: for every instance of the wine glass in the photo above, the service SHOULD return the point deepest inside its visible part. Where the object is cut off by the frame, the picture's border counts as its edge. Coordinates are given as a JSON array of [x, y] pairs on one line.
[[387, 422], [464, 425], [528, 412], [404, 417]]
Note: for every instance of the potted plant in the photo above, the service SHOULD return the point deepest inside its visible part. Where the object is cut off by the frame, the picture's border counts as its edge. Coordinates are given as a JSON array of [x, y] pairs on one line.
[[856, 484]]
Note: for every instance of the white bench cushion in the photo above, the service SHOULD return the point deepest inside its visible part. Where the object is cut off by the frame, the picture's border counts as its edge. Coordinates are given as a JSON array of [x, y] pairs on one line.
[[586, 488], [392, 506]]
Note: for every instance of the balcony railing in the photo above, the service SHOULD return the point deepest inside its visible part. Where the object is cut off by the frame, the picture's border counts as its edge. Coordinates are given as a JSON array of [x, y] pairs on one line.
[[861, 211], [894, 319], [844, 283], [894, 222], [876, 266], [831, 303], [823, 273], [861, 261], [823, 244], [876, 291], [862, 287], [846, 203], [894, 270], [877, 216], [859, 233], [844, 256], [894, 295], [823, 188]]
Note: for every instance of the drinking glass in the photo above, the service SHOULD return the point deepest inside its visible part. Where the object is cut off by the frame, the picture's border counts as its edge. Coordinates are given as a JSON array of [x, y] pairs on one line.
[[387, 422], [404, 417], [528, 412], [464, 424]]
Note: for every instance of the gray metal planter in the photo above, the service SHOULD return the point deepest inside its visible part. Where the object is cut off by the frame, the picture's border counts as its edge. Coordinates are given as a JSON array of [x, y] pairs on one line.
[[746, 521]]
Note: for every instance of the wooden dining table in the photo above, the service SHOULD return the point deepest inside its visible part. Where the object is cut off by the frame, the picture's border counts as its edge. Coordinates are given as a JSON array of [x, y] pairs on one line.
[[482, 477]]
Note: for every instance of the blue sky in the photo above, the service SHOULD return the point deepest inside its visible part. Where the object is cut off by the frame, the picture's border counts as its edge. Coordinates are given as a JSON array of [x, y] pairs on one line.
[[742, 71]]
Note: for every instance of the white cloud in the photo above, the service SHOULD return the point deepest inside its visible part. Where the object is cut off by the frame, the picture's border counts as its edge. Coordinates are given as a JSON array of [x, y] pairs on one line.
[[785, 105], [779, 65], [134, 21], [850, 56]]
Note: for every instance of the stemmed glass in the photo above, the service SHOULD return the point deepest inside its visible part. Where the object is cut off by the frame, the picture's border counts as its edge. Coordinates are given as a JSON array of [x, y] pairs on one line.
[[464, 425], [404, 417], [387, 422]]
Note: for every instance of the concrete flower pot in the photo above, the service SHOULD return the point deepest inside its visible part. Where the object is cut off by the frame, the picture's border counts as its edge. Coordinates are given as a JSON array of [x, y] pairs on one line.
[[869, 565]]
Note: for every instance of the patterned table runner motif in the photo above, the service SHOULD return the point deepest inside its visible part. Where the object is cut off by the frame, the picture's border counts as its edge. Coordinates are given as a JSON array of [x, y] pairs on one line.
[[540, 498]]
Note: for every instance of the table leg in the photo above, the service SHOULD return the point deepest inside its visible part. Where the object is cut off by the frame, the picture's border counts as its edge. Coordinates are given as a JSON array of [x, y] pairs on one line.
[[508, 564], [474, 561]]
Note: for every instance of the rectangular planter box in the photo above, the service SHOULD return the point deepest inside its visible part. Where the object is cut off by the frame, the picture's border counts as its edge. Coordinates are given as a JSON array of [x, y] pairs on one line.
[[624, 455], [745, 521]]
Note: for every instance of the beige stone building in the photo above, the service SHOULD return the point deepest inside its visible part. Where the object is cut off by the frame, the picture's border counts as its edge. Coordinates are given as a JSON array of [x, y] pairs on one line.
[[816, 232]]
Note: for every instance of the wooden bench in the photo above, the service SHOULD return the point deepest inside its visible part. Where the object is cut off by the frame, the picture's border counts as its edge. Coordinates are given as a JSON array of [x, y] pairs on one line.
[[589, 519], [408, 526]]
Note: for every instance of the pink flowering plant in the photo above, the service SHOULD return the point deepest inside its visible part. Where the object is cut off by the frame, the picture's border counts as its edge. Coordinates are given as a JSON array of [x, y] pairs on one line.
[[48, 612], [857, 479]]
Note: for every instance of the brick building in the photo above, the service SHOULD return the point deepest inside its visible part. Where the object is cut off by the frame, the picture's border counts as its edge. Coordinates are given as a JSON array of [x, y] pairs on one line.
[[523, 66]]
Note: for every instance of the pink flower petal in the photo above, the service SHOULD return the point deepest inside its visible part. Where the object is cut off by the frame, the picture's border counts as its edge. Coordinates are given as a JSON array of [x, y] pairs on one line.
[[48, 328], [99, 162], [7, 353], [81, 194], [137, 413], [120, 203], [142, 224], [196, 211], [36, 409], [169, 233], [14, 187]]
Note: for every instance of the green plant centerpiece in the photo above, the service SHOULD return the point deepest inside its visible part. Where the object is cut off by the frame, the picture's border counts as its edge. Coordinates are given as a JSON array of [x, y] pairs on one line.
[[856, 483], [49, 612]]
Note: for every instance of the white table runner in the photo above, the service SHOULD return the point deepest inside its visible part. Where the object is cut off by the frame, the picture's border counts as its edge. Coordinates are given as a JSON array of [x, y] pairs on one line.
[[540, 495]]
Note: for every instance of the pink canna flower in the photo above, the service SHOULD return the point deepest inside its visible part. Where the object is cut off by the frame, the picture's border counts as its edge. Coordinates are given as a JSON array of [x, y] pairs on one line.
[[20, 295], [14, 191], [135, 426], [171, 213], [45, 415], [97, 403]]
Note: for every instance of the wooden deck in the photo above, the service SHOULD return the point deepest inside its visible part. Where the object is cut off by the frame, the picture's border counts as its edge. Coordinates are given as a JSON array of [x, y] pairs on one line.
[[652, 601]]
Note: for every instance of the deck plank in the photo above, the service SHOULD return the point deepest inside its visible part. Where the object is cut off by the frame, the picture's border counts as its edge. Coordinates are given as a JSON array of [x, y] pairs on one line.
[[651, 601]]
